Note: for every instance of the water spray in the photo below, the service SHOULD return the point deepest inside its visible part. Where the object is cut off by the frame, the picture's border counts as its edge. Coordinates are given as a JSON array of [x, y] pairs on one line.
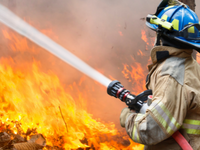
[[17, 24], [114, 88]]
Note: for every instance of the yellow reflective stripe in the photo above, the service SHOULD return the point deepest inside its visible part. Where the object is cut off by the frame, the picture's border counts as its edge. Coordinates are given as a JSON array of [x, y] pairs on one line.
[[134, 130], [139, 116], [173, 120], [192, 131], [194, 122], [165, 118], [164, 17], [191, 29], [135, 135], [191, 126], [163, 122], [175, 23]]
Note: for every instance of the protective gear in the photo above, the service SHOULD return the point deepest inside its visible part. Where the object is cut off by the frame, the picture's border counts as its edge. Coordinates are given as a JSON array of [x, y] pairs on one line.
[[144, 108], [125, 112], [186, 29], [174, 79]]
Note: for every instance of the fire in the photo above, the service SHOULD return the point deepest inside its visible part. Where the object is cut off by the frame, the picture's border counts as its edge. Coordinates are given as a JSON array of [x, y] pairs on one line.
[[140, 53], [20, 43], [149, 41], [144, 37], [198, 57], [136, 75], [33, 99], [136, 72]]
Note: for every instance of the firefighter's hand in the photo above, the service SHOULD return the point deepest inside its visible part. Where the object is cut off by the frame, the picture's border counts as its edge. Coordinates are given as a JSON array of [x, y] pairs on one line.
[[124, 114]]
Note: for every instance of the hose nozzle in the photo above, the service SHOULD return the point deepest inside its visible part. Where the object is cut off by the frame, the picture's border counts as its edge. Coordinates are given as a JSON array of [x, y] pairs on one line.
[[116, 89]]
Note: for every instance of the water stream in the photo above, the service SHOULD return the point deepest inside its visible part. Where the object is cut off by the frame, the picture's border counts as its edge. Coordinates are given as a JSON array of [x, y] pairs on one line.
[[17, 24]]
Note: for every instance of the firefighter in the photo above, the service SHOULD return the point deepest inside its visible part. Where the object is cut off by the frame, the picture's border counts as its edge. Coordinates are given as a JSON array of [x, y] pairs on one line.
[[174, 78]]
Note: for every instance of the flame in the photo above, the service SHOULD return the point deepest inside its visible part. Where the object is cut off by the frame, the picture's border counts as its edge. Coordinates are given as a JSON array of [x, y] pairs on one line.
[[136, 75], [198, 57], [32, 99], [20, 43], [149, 41], [144, 37], [140, 53]]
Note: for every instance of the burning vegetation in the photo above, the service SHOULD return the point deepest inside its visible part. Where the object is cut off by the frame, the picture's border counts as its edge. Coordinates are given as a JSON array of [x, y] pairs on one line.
[[38, 112]]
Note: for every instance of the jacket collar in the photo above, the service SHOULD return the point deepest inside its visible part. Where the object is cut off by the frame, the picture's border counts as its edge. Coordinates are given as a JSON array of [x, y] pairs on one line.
[[161, 52]]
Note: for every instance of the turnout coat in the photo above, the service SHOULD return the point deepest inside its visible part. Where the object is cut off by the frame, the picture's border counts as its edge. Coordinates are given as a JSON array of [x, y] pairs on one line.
[[174, 79]]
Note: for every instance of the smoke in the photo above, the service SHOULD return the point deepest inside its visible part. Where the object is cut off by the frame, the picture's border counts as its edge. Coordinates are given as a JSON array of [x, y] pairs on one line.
[[105, 34]]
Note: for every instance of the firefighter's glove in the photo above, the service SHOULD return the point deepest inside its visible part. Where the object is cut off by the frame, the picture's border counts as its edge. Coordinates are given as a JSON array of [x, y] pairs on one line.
[[124, 114]]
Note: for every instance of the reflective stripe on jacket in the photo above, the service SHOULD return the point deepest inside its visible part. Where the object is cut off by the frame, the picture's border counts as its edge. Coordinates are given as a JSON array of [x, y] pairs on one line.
[[175, 81]]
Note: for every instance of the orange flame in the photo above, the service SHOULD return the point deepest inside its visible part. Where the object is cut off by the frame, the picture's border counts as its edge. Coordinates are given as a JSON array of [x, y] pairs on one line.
[[20, 43], [149, 41], [198, 57], [140, 53], [136, 75], [144, 37], [33, 98]]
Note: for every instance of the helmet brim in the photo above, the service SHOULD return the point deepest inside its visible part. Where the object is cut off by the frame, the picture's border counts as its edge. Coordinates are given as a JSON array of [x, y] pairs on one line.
[[191, 44], [151, 26]]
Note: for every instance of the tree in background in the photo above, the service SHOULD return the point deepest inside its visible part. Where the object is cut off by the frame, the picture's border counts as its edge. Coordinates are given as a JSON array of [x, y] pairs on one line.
[[190, 3]]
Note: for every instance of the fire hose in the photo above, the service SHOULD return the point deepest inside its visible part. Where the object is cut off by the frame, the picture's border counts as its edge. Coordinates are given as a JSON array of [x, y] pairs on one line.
[[116, 89]]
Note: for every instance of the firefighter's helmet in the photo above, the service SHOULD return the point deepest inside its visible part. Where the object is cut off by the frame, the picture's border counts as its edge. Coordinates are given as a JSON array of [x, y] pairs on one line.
[[176, 24]]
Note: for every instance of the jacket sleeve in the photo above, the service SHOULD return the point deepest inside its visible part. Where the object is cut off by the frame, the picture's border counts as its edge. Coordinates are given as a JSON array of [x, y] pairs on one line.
[[164, 116]]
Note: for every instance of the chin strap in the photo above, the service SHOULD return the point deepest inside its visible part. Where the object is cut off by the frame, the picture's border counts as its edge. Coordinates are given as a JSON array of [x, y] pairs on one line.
[[184, 32], [159, 34]]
